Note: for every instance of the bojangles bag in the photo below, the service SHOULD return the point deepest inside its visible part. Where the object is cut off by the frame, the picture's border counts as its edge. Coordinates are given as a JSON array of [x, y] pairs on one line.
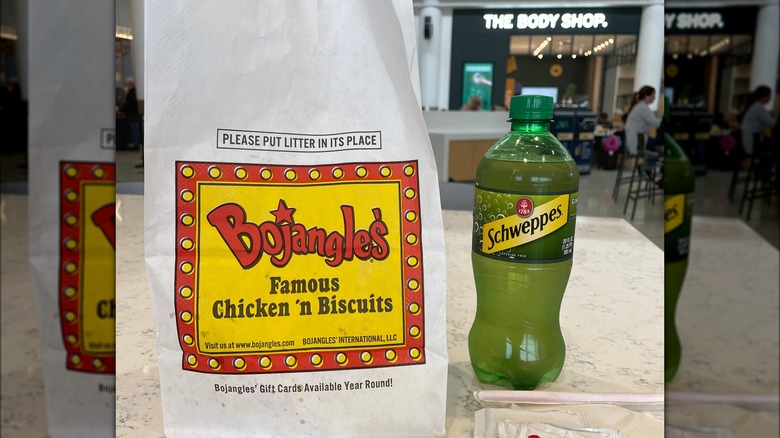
[[293, 234], [72, 212]]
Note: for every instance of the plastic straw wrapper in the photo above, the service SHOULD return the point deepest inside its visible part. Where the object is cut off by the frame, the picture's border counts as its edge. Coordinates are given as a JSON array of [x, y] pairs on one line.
[[732, 398], [555, 398]]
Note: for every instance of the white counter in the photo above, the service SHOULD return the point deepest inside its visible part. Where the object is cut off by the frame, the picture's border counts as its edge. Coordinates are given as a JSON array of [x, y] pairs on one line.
[[611, 317], [446, 126], [612, 320]]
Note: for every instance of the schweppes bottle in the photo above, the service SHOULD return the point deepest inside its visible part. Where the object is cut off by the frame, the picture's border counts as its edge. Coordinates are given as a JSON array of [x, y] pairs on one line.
[[525, 207], [679, 179]]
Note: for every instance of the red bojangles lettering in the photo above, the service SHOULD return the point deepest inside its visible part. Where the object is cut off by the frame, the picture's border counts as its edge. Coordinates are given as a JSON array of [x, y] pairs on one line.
[[105, 219], [283, 237]]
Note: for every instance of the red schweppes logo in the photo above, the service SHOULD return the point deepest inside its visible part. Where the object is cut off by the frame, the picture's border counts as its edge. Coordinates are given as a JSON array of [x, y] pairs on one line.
[[282, 237]]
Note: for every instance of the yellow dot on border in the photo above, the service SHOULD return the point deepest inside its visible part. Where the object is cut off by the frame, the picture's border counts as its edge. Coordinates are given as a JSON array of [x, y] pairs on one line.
[[411, 239], [188, 339], [410, 193], [187, 244], [410, 216], [414, 308], [266, 174], [361, 172], [414, 353], [69, 292], [291, 361], [366, 357], [70, 316], [98, 172], [71, 196], [72, 339], [185, 292], [314, 175], [385, 171], [71, 219], [215, 172], [316, 360], [71, 171], [187, 171], [341, 359], [241, 173], [187, 196], [290, 175], [412, 261], [192, 360], [186, 316], [187, 220], [76, 360], [239, 363], [408, 170], [214, 364], [265, 362], [186, 267], [98, 363], [413, 284], [71, 244], [337, 173], [71, 267], [414, 331], [390, 355]]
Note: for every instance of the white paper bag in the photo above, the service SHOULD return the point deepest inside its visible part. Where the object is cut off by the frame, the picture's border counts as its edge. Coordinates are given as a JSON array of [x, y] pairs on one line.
[[71, 209], [294, 240]]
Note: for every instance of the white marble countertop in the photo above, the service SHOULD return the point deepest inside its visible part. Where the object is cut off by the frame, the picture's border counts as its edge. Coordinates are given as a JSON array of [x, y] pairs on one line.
[[612, 320], [727, 319]]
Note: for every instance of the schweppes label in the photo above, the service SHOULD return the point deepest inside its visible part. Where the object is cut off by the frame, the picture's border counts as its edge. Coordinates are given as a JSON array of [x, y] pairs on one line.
[[678, 212], [674, 212], [527, 228]]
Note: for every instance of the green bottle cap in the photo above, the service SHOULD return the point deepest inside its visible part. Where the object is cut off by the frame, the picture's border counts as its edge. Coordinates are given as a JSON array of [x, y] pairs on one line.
[[531, 107]]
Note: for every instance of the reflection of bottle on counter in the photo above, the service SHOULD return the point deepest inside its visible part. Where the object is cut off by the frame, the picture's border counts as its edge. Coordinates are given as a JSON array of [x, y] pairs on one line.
[[679, 179], [524, 218]]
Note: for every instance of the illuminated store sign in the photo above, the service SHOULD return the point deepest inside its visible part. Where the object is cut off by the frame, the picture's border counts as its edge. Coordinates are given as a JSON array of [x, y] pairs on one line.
[[694, 20], [734, 20], [560, 21], [585, 20]]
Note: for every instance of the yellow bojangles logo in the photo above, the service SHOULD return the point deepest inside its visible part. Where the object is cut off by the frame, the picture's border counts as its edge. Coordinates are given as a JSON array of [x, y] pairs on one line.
[[674, 209], [516, 230]]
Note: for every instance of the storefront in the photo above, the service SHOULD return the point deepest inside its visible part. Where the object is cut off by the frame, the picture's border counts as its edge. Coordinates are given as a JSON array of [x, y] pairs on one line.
[[564, 53], [709, 62], [708, 57]]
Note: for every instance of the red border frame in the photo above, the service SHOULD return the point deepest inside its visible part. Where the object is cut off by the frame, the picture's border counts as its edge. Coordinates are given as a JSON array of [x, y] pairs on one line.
[[72, 177], [189, 174]]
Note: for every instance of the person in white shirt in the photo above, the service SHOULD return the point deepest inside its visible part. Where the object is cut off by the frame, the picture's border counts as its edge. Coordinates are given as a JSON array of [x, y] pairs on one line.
[[755, 117], [640, 118]]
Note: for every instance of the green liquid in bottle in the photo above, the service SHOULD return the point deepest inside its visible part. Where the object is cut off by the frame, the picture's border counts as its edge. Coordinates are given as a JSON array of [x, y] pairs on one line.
[[679, 181], [516, 339]]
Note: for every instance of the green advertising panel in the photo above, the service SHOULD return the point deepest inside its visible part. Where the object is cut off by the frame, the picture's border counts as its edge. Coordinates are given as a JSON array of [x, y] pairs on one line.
[[478, 81]]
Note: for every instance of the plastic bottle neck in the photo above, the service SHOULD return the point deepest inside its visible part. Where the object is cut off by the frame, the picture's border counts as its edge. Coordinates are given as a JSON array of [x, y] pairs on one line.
[[530, 126]]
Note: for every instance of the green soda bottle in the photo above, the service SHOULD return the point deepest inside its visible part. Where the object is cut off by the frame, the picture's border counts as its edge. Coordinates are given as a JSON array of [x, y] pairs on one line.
[[525, 206], [679, 179]]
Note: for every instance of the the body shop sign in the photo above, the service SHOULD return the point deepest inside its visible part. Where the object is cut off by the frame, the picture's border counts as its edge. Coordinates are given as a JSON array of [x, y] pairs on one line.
[[548, 21], [582, 20], [740, 20]]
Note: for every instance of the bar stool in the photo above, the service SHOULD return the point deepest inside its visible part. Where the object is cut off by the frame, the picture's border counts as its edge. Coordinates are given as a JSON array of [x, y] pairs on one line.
[[620, 179], [739, 176], [761, 181], [645, 173]]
